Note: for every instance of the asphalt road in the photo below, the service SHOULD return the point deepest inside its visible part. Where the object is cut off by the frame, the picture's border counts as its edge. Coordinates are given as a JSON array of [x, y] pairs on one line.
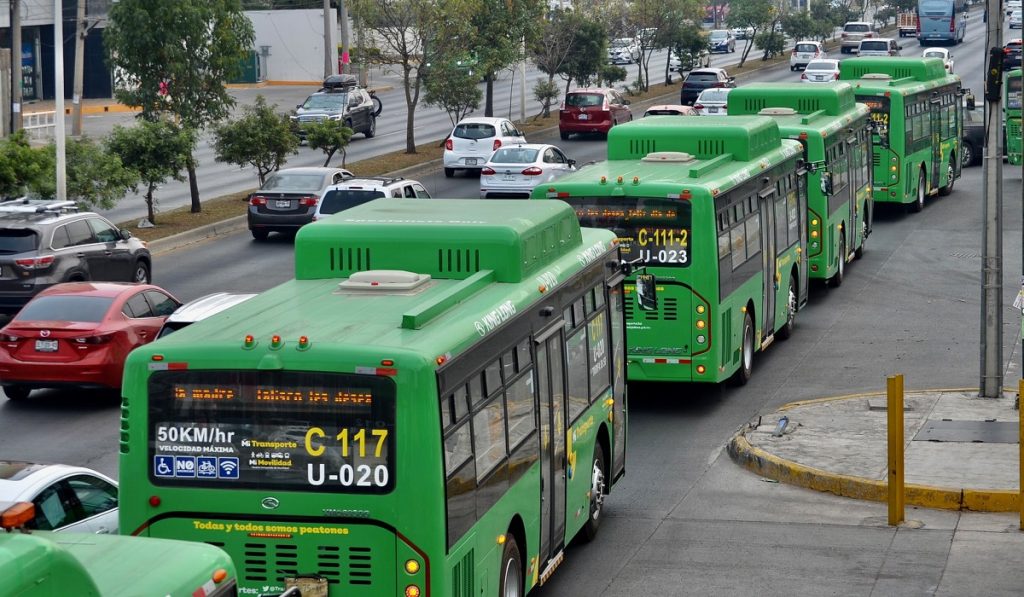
[[685, 520]]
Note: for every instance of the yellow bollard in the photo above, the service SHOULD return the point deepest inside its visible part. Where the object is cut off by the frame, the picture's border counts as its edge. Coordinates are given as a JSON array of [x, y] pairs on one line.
[[894, 410]]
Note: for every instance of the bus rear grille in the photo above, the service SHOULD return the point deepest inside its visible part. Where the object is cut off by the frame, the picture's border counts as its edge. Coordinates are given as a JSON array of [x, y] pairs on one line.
[[462, 577], [352, 259], [753, 105], [808, 105], [876, 160], [668, 310], [1012, 128], [458, 260], [265, 563], [360, 568], [642, 147], [709, 148], [328, 562]]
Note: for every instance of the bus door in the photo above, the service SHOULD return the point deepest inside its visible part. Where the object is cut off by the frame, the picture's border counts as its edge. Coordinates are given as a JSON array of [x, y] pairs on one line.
[[551, 394], [935, 120], [768, 260]]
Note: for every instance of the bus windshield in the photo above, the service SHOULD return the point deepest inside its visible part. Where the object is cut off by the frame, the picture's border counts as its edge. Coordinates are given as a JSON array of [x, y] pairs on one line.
[[289, 430], [655, 230]]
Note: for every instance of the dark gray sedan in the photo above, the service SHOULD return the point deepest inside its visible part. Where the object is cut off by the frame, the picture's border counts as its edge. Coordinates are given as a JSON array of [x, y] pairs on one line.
[[288, 198]]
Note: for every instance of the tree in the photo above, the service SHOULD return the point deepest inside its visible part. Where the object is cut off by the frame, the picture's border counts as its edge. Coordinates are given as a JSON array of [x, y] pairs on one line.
[[545, 92], [176, 57], [688, 42], [499, 30], [330, 136], [588, 54], [22, 166], [554, 40], [680, 32], [452, 88], [156, 150], [758, 15], [771, 41], [650, 21], [95, 176], [260, 138]]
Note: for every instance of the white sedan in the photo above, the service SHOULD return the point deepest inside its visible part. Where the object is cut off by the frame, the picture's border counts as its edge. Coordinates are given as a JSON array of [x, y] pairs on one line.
[[943, 55], [66, 498], [514, 170], [820, 71]]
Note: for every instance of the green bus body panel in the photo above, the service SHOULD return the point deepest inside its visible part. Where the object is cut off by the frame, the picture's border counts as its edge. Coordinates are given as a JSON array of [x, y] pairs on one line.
[[383, 235], [918, 69], [1012, 120], [84, 565], [831, 99], [745, 138], [521, 258]]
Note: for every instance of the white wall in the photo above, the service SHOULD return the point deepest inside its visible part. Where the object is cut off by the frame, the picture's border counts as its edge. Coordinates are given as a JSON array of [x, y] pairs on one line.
[[296, 40]]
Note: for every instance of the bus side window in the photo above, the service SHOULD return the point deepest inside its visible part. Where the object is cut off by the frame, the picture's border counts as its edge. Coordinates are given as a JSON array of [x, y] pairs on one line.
[[597, 347], [489, 436], [522, 420], [492, 378], [576, 355]]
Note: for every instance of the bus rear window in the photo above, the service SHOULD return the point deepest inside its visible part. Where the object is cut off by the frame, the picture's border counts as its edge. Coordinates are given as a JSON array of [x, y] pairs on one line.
[[342, 199], [272, 430], [655, 230]]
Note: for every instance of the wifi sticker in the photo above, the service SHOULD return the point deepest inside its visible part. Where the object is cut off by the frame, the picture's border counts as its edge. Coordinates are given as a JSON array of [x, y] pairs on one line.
[[228, 467]]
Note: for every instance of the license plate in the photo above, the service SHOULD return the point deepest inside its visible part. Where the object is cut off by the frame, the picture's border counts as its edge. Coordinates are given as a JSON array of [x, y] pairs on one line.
[[46, 346], [282, 203], [584, 116], [471, 161], [713, 110], [508, 177]]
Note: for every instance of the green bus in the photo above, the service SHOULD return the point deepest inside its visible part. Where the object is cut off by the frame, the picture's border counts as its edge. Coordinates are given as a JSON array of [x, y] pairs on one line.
[[1012, 115], [435, 405], [50, 564], [835, 133], [714, 211], [916, 111]]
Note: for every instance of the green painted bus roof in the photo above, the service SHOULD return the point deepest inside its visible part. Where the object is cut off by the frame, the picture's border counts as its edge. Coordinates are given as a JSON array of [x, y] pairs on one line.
[[745, 137], [831, 99], [906, 75]]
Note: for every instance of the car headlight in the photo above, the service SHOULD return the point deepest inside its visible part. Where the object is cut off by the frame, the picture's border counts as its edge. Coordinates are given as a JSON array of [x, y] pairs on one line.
[[335, 116]]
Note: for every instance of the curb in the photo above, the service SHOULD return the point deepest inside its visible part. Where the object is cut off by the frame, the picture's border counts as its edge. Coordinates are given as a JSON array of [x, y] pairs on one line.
[[167, 244], [765, 464]]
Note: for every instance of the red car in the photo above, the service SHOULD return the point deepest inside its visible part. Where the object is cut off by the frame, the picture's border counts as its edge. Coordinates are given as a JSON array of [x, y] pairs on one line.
[[592, 111], [79, 334]]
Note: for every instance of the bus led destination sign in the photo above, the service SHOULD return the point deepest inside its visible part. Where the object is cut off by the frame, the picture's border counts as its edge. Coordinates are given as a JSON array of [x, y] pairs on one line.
[[292, 394]]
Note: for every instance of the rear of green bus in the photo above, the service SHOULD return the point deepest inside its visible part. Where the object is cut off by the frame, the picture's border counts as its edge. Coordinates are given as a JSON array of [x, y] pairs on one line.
[[1012, 115]]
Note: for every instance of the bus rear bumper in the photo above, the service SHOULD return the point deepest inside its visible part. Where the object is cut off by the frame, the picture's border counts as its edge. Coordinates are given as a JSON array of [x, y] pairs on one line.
[[642, 368]]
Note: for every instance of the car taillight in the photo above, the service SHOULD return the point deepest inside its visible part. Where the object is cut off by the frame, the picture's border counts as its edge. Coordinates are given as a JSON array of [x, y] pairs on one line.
[[308, 201], [487, 172], [448, 144], [952, 24], [835, 76], [497, 144], [803, 75], [257, 200], [844, 36], [892, 52], [36, 263], [698, 106], [533, 171], [9, 338], [93, 340], [869, 34], [725, 107], [794, 51]]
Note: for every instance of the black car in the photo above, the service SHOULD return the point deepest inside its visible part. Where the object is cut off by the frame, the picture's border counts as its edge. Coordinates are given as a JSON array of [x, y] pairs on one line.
[[288, 198], [342, 99], [44, 242], [1011, 54], [973, 138], [700, 79]]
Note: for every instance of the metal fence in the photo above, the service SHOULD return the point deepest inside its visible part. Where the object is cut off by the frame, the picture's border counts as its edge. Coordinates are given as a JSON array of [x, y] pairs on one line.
[[39, 126]]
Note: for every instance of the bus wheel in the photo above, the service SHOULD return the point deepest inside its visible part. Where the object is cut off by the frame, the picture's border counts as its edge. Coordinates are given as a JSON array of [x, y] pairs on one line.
[[742, 375], [837, 279], [946, 190], [918, 204], [597, 493], [859, 251], [787, 330], [511, 569]]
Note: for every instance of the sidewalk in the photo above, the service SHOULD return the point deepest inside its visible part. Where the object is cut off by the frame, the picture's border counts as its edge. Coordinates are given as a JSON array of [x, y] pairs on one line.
[[961, 451]]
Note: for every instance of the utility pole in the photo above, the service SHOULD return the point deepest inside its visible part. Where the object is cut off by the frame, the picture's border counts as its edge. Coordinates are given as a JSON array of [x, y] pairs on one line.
[[991, 382], [16, 74], [346, 56], [328, 67], [76, 98], [58, 90]]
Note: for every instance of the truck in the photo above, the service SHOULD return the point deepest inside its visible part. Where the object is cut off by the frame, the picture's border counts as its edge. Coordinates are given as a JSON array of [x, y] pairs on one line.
[[906, 22], [47, 564]]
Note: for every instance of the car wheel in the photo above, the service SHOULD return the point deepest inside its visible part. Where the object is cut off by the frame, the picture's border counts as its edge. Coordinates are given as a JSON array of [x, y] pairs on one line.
[[597, 493], [259, 234], [372, 129], [141, 275], [950, 173], [918, 204], [449, 172], [966, 155], [510, 575], [564, 135], [16, 392], [348, 123]]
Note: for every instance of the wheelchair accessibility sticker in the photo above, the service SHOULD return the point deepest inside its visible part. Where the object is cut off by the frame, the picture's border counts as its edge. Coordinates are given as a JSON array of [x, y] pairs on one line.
[[163, 466]]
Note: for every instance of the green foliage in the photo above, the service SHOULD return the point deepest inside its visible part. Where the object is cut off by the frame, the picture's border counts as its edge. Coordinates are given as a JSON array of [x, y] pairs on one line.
[[95, 176], [22, 166], [451, 84], [498, 30], [688, 42], [611, 74], [156, 150], [546, 92], [798, 25], [772, 42], [588, 55], [554, 38], [761, 15], [260, 138], [330, 136]]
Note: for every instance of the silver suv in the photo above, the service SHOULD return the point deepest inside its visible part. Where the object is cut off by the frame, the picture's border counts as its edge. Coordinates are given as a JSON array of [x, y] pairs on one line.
[[358, 191], [853, 32], [45, 242]]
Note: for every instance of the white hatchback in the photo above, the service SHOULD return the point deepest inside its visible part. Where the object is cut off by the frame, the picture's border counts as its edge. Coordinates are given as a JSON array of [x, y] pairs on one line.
[[474, 139], [66, 498], [513, 171], [804, 52], [713, 102]]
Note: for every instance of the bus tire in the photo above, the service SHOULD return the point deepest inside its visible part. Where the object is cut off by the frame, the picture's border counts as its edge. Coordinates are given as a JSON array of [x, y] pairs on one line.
[[510, 581], [918, 203], [791, 305], [597, 493], [859, 251], [837, 279], [742, 375], [950, 173]]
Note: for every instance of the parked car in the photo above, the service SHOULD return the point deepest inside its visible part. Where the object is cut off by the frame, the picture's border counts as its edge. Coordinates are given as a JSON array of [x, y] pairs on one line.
[[688, 61], [623, 51], [513, 171], [592, 110], [821, 71], [879, 46], [1012, 5], [973, 140], [742, 32], [1011, 54], [200, 309], [342, 99], [943, 55], [853, 33], [474, 139], [79, 334], [700, 79], [358, 191], [286, 200], [1015, 19], [66, 498], [721, 40], [804, 52], [670, 110], [44, 242], [713, 101]]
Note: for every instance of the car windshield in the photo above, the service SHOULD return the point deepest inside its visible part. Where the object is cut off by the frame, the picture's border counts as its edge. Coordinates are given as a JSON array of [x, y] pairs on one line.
[[856, 28], [287, 182], [66, 308], [342, 199], [584, 100], [821, 65], [515, 155], [806, 48], [719, 35], [326, 101], [474, 130], [13, 241], [714, 95], [874, 45]]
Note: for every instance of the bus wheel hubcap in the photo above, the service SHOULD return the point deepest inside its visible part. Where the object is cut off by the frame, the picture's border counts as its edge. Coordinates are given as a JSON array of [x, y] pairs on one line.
[[511, 579], [596, 492], [791, 308]]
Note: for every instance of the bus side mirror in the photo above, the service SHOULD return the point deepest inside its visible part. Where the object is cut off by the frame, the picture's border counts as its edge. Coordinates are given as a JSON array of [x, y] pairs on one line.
[[970, 102], [646, 292]]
